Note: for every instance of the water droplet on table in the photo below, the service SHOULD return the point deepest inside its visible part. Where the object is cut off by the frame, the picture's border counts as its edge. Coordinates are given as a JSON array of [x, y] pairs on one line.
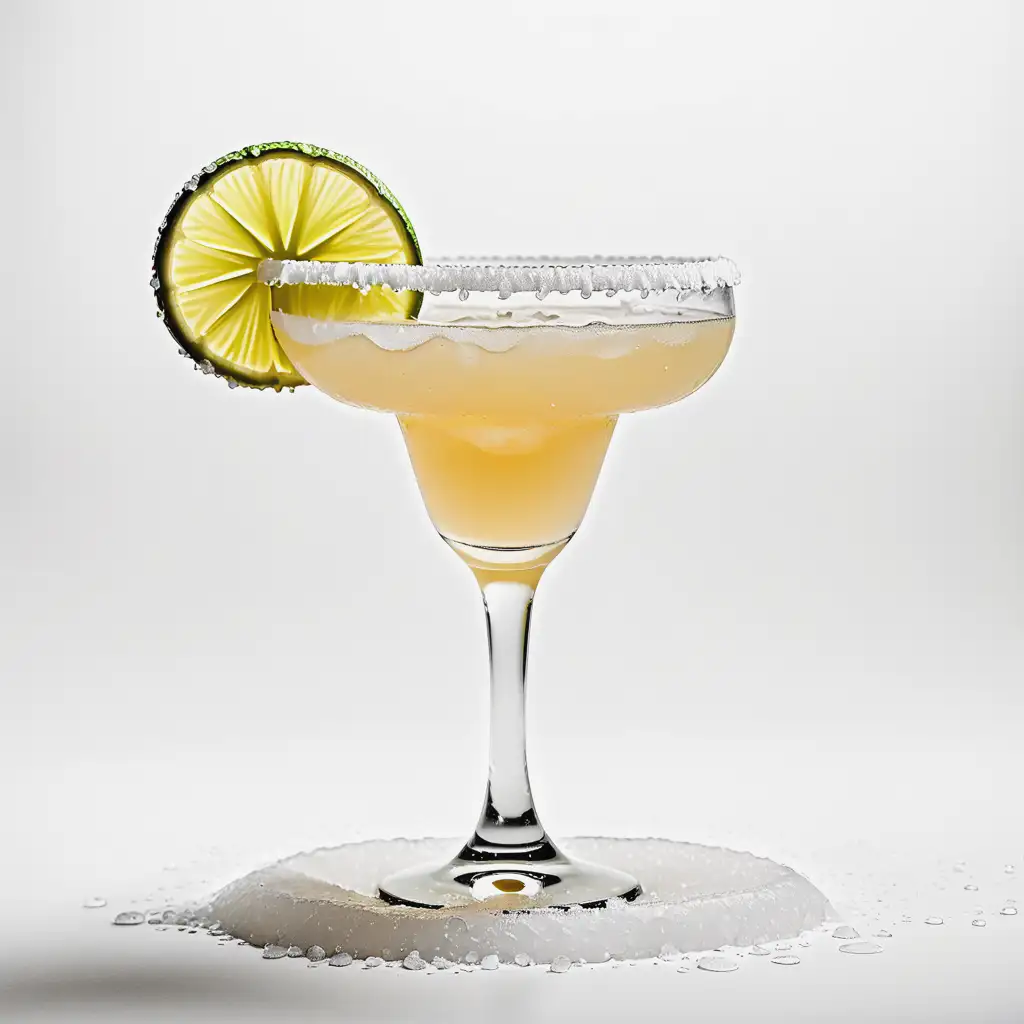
[[781, 947], [316, 953], [787, 960], [340, 960], [414, 962], [1009, 911], [883, 934], [960, 866], [934, 920], [471, 957], [717, 963], [844, 931], [979, 922], [373, 961], [94, 902], [970, 888], [862, 948], [295, 951], [669, 952], [560, 964], [759, 951], [129, 917], [522, 960], [441, 964], [489, 962]]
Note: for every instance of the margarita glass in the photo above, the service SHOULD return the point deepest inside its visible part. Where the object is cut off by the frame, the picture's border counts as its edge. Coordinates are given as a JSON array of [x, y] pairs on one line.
[[507, 386]]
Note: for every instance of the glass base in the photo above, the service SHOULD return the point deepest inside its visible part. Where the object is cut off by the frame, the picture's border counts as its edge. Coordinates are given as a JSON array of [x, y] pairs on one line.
[[509, 885], [695, 898]]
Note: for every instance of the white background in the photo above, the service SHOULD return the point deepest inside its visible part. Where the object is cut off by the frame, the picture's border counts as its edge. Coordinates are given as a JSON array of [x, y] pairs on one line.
[[792, 619]]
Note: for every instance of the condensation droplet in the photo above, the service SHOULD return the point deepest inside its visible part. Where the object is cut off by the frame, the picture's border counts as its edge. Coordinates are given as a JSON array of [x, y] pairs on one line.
[[273, 952], [979, 922], [844, 931], [340, 959], [1009, 911], [863, 948], [970, 888], [129, 917], [787, 961], [94, 902], [934, 920], [717, 963], [560, 964], [759, 951]]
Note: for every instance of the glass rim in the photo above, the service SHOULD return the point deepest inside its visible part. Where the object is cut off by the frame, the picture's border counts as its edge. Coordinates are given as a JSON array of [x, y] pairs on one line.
[[513, 275]]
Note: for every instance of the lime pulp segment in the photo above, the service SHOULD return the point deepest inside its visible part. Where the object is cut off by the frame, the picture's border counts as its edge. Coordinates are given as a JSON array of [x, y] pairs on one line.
[[274, 201]]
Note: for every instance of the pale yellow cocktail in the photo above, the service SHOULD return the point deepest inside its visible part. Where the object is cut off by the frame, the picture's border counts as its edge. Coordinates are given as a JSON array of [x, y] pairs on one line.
[[506, 428]]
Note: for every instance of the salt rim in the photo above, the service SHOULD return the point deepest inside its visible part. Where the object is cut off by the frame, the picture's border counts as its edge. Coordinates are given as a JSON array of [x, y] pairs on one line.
[[515, 274]]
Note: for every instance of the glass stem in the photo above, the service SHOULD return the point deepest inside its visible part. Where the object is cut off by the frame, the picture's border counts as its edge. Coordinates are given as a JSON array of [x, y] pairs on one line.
[[508, 826]]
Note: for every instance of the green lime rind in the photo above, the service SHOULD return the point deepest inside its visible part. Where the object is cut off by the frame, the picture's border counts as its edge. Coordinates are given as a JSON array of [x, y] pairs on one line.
[[186, 344]]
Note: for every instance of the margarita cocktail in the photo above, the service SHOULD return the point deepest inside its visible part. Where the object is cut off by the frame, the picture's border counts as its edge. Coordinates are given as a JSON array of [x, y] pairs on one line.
[[284, 264]]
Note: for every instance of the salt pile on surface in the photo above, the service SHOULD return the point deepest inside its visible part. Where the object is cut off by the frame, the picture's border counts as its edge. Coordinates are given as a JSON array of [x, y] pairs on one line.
[[695, 898]]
